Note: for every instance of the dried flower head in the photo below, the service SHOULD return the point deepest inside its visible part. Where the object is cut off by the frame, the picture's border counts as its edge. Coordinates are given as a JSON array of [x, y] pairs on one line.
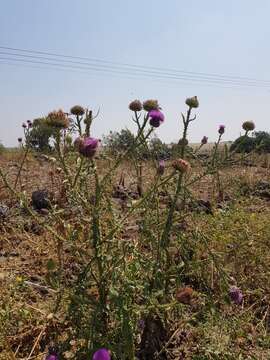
[[236, 295], [161, 167], [87, 146], [149, 105], [57, 119], [181, 165], [248, 126], [221, 129], [156, 118], [192, 102], [19, 139], [204, 140], [102, 354], [135, 105], [184, 295], [77, 110]]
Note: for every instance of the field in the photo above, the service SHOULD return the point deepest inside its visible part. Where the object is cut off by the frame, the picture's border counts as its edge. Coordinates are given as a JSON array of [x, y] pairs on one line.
[[148, 260]]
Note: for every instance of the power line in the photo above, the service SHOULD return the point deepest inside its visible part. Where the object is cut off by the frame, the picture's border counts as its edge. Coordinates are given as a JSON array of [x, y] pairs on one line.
[[136, 71], [96, 69], [66, 64], [57, 68], [159, 69]]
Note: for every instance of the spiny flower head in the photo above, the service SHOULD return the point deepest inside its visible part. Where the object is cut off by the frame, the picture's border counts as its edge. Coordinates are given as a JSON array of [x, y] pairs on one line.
[[102, 354], [87, 146], [135, 105], [248, 126], [151, 104], [156, 118], [52, 355], [181, 165], [161, 167], [57, 119], [77, 110], [192, 102], [204, 140], [221, 129]]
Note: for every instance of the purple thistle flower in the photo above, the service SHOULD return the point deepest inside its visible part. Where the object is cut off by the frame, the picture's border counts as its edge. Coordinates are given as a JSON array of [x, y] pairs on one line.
[[236, 295], [24, 125], [221, 129], [19, 139], [161, 167], [204, 140], [102, 354], [88, 146], [156, 118], [52, 355]]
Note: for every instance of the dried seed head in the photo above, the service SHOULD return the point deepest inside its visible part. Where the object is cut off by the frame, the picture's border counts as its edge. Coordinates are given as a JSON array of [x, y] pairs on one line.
[[184, 295], [248, 126], [77, 110], [135, 105], [57, 119]]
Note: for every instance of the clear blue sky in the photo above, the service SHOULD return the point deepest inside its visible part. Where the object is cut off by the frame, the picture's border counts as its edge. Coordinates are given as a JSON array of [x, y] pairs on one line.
[[224, 37]]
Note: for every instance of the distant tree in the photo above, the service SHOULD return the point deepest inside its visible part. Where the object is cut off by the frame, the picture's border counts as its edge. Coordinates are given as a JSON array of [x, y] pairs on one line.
[[39, 135], [118, 141], [259, 141], [244, 144], [2, 148], [158, 149]]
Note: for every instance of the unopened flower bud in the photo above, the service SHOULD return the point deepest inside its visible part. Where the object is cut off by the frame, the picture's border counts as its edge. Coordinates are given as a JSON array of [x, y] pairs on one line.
[[181, 165], [248, 126], [135, 105], [221, 129], [204, 140], [161, 167], [183, 142], [192, 102]]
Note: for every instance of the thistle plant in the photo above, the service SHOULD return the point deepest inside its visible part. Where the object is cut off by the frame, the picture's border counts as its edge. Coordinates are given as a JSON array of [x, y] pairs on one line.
[[126, 271]]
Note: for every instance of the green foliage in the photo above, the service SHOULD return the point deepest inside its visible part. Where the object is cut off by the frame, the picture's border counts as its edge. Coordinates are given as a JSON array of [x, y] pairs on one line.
[[260, 141], [38, 137], [117, 142], [2, 148]]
